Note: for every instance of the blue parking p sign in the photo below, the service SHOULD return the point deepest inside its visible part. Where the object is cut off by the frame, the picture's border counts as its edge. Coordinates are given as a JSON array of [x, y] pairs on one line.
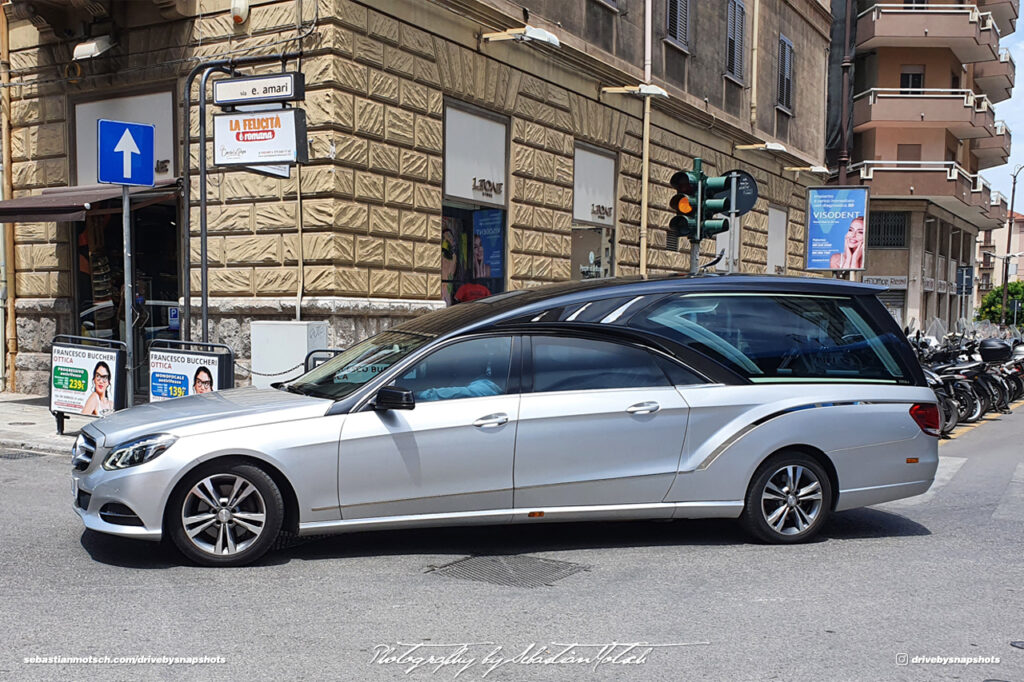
[[125, 153]]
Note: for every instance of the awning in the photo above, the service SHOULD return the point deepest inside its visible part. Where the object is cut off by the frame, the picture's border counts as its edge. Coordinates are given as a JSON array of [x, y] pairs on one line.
[[66, 204]]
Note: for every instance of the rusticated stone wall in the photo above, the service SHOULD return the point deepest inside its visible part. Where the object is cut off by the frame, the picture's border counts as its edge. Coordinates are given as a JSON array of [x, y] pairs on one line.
[[378, 75]]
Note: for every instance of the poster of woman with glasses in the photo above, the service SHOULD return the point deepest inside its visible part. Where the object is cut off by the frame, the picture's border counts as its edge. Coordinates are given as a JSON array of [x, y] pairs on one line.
[[100, 402]]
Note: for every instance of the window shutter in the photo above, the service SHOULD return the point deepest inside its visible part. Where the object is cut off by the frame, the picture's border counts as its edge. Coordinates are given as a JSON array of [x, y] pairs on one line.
[[730, 57], [789, 76], [782, 73], [740, 26]]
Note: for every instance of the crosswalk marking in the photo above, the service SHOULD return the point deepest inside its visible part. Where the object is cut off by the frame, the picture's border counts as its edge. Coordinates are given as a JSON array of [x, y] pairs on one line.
[[1011, 504], [948, 466]]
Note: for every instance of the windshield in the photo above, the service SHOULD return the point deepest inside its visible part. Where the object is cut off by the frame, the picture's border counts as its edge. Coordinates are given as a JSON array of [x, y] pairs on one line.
[[346, 372]]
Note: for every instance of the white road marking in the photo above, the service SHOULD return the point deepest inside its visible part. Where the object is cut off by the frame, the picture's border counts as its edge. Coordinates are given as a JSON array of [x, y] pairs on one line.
[[1011, 504], [948, 466]]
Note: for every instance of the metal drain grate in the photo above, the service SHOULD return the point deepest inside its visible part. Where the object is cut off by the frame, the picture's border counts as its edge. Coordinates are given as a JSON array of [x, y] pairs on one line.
[[513, 570], [22, 423], [20, 455]]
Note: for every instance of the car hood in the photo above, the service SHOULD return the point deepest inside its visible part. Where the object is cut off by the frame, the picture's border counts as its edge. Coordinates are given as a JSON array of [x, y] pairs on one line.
[[206, 412]]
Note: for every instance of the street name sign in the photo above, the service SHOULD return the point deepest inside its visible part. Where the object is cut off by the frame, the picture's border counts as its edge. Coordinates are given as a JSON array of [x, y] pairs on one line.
[[125, 153], [278, 87]]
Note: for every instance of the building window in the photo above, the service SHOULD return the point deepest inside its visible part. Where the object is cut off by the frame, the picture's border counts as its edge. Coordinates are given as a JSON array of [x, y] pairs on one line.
[[785, 93], [679, 22], [888, 230], [734, 49], [911, 80]]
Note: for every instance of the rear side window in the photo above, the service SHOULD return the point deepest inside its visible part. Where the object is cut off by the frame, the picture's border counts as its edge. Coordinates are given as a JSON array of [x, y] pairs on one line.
[[775, 338], [568, 364]]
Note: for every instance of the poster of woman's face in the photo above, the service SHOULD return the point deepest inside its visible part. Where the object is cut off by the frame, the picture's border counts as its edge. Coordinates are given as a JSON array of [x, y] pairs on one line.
[[101, 401]]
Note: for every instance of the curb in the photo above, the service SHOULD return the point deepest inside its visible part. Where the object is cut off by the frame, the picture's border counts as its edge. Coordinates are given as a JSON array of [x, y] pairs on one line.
[[58, 449]]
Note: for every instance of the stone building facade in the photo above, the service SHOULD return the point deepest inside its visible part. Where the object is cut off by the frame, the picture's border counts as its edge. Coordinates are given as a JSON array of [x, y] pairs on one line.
[[366, 215]]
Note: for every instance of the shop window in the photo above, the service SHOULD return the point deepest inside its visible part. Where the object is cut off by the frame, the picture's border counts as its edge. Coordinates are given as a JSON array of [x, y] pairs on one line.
[[473, 218]]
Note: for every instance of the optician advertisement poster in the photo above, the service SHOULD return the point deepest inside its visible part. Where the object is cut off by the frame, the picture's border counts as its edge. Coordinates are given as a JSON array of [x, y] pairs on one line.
[[176, 374], [85, 380], [837, 219], [488, 243]]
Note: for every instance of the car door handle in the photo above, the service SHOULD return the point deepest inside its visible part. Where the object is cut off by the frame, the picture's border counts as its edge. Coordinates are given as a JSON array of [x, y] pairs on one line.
[[491, 420], [649, 407]]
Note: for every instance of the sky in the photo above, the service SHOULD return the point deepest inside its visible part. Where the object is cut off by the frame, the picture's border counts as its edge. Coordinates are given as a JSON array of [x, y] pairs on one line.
[[1012, 112]]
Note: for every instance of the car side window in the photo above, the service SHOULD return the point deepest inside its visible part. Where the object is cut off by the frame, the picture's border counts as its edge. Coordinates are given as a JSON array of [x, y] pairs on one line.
[[570, 364], [467, 369]]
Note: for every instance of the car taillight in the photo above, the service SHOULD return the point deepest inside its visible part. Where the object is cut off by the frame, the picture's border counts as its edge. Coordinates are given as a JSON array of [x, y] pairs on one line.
[[927, 417]]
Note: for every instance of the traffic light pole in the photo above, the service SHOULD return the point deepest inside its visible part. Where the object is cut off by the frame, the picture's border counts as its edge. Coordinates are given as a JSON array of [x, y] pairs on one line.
[[733, 231], [695, 240]]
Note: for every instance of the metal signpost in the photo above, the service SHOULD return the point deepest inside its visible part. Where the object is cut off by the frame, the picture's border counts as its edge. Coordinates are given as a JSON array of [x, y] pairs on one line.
[[126, 156], [742, 195]]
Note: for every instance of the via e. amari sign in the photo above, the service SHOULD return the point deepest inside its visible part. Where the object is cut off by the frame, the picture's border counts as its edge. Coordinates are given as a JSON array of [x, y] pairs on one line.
[[84, 380], [258, 138], [176, 374]]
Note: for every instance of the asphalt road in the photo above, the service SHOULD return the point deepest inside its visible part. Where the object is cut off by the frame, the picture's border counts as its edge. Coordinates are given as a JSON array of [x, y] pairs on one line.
[[936, 576]]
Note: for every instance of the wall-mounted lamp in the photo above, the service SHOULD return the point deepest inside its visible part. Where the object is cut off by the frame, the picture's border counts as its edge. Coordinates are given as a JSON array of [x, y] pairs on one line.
[[821, 170], [94, 47], [762, 147], [641, 90], [522, 35]]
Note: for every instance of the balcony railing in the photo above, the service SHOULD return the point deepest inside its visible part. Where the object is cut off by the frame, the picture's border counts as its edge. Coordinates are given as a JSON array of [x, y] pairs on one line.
[[1004, 12], [945, 183], [993, 151], [964, 113], [972, 35], [996, 77]]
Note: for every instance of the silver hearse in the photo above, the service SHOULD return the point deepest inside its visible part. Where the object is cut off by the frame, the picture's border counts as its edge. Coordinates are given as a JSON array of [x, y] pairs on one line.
[[772, 400]]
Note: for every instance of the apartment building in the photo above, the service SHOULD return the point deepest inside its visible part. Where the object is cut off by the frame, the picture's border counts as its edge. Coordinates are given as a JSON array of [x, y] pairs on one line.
[[991, 250], [442, 163], [926, 75]]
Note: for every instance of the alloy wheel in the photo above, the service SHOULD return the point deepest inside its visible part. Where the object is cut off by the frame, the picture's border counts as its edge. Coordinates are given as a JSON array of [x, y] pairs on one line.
[[791, 500], [223, 514]]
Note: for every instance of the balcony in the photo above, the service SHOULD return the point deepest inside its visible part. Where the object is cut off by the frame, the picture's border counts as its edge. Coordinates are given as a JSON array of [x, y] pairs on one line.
[[998, 209], [944, 183], [964, 113], [1004, 13], [996, 78], [993, 151], [971, 34]]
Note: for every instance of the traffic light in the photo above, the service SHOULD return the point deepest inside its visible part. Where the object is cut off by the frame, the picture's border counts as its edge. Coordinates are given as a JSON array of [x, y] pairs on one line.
[[686, 203], [716, 200]]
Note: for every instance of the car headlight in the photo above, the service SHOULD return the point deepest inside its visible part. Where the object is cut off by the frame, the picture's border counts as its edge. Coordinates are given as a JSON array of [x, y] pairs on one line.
[[138, 451]]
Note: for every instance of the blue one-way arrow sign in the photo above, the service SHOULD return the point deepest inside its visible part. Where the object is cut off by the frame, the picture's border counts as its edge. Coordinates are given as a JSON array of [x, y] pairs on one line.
[[125, 153]]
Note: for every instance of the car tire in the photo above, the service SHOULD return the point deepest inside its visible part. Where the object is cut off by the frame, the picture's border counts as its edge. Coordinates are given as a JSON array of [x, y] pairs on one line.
[[772, 514], [225, 514]]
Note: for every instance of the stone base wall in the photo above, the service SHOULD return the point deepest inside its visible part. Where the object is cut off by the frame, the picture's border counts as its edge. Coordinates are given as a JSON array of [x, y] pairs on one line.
[[38, 321], [349, 320]]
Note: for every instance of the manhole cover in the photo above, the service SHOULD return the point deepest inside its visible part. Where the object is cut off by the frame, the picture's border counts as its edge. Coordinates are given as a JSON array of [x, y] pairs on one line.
[[512, 570], [20, 455]]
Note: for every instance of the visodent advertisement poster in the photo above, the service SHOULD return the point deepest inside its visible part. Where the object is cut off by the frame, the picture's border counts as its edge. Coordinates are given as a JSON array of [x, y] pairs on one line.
[[837, 219]]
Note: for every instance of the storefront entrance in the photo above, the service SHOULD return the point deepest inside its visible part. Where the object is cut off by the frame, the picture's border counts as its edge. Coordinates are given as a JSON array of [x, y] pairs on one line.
[[100, 277]]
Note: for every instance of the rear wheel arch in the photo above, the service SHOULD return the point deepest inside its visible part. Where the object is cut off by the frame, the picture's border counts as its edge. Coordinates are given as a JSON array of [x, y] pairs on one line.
[[814, 453]]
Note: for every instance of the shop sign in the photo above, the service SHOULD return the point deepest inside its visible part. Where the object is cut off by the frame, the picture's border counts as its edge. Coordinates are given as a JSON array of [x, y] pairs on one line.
[[278, 87], [893, 282], [593, 187], [175, 373], [941, 286], [475, 157], [260, 138], [929, 284], [86, 380]]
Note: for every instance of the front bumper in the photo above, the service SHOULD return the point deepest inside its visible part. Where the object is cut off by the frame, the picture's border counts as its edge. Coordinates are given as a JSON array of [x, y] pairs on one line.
[[142, 489]]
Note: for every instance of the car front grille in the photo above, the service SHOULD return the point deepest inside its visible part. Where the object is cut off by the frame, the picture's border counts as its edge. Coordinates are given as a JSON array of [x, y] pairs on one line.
[[82, 452]]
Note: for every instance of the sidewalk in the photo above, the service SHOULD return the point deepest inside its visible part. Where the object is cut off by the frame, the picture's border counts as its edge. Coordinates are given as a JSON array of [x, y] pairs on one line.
[[27, 425]]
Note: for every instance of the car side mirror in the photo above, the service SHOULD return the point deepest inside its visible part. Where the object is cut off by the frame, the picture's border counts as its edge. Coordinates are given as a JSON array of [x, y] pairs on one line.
[[394, 398]]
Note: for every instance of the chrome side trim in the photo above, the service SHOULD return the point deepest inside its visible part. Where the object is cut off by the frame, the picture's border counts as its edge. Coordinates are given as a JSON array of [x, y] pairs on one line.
[[497, 515], [731, 440], [884, 486]]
